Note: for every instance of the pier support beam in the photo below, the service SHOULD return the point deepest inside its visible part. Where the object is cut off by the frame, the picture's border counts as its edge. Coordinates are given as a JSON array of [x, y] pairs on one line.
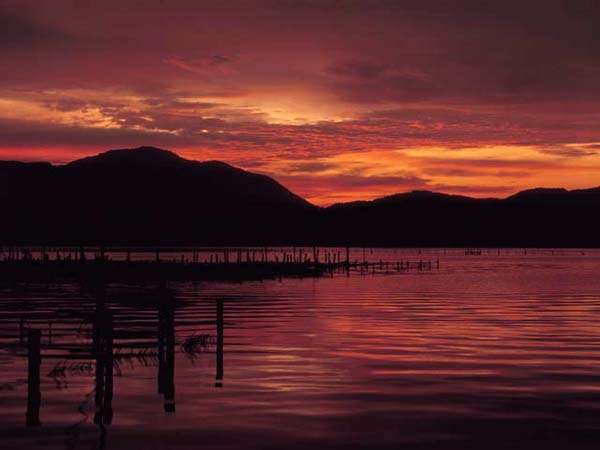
[[34, 393], [219, 375], [103, 351]]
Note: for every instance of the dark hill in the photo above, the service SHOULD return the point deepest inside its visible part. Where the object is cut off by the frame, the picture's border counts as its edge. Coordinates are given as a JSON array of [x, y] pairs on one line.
[[146, 195], [169, 178], [537, 217]]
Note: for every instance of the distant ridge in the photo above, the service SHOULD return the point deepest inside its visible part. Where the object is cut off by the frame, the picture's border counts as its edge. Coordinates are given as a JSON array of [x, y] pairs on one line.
[[532, 218], [152, 196]]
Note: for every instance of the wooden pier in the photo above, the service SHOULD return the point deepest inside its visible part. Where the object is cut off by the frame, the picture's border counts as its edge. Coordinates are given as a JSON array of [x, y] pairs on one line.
[[164, 264]]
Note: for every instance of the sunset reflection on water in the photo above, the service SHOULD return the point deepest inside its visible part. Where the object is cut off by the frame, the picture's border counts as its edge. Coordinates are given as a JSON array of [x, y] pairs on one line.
[[501, 349]]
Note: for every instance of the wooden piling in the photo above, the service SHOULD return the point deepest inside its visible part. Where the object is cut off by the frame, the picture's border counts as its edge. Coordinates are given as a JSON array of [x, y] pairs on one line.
[[219, 362], [34, 393], [21, 330], [103, 352]]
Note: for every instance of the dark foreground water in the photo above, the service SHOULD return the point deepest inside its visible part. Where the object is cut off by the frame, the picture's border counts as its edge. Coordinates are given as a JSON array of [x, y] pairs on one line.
[[499, 350]]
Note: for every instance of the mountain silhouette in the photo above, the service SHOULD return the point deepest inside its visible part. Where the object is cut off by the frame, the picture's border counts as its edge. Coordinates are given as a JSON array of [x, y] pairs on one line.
[[531, 218], [152, 196], [145, 195]]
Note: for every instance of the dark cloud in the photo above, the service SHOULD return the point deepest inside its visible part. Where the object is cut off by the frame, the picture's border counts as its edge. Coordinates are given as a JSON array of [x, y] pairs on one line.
[[570, 151], [358, 70], [26, 135], [311, 167], [490, 163], [22, 33], [461, 172], [368, 82], [378, 51]]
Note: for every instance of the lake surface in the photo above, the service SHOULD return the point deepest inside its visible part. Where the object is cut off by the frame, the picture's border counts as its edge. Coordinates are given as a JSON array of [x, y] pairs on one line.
[[498, 350]]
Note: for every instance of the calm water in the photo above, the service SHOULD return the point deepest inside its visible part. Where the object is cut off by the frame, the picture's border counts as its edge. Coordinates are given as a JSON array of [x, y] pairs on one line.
[[500, 350]]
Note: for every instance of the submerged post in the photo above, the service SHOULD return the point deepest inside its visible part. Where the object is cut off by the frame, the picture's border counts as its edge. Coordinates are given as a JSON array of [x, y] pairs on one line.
[[34, 394], [169, 405], [219, 376], [21, 329], [103, 351], [348, 261], [166, 353]]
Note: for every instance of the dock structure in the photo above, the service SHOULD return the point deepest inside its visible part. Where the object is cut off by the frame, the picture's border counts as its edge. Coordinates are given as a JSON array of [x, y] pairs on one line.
[[102, 341], [188, 264]]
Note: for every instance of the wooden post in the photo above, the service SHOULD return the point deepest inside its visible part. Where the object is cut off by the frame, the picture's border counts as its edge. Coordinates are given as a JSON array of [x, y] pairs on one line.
[[21, 330], [103, 351], [34, 394], [219, 375], [169, 388]]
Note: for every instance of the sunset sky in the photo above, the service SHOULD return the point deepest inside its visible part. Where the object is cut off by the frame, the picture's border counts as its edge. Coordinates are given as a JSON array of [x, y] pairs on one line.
[[337, 100]]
